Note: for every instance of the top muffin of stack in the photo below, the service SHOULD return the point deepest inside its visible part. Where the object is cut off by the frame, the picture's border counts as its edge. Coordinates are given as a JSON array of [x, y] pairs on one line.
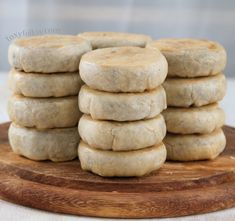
[[194, 85], [122, 128], [115, 39], [45, 84]]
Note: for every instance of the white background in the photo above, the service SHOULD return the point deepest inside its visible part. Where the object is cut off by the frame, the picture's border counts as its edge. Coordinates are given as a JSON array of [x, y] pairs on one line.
[[210, 19]]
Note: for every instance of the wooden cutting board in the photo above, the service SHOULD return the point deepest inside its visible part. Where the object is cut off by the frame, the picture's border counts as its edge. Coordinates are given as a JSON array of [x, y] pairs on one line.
[[178, 189]]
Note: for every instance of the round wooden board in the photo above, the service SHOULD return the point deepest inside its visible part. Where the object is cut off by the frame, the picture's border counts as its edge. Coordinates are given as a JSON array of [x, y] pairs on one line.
[[178, 189]]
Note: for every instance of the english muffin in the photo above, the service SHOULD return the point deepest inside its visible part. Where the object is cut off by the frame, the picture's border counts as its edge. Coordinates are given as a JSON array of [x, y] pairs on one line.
[[123, 69], [191, 57], [192, 120], [50, 144], [186, 92], [44, 85], [123, 163], [44, 113], [121, 136], [114, 39], [121, 106], [195, 146], [47, 53]]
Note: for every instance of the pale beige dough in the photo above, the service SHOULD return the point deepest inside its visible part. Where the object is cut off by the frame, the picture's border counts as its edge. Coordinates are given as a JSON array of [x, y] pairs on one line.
[[47, 53], [194, 146], [121, 106], [191, 120], [115, 39], [122, 136], [123, 69], [44, 85], [51, 144], [121, 164], [191, 57], [44, 113], [185, 92]]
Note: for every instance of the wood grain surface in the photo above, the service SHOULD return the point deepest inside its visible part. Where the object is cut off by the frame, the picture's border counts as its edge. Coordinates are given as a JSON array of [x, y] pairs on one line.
[[177, 189]]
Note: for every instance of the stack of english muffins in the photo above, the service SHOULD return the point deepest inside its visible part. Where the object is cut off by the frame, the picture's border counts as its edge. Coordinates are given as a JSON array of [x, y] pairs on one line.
[[194, 85], [43, 108], [122, 128]]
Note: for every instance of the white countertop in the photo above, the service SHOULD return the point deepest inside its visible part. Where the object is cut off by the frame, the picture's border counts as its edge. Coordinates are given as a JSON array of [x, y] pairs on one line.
[[12, 212]]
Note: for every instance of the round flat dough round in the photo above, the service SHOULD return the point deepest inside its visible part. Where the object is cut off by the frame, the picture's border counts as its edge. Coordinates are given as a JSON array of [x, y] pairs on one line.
[[47, 53], [51, 144], [122, 136], [194, 146], [121, 106], [121, 164], [115, 39], [185, 92], [123, 69], [44, 113], [191, 57], [192, 120], [44, 85]]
